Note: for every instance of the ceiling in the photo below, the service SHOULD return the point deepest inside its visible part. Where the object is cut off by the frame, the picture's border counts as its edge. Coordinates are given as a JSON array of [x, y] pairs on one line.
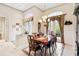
[[26, 6]]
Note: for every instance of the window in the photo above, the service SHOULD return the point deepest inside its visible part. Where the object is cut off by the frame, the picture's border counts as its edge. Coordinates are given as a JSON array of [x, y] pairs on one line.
[[28, 26], [54, 26]]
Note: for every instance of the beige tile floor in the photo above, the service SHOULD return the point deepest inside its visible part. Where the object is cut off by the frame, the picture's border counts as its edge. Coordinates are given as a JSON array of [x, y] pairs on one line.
[[60, 50], [67, 50], [9, 49]]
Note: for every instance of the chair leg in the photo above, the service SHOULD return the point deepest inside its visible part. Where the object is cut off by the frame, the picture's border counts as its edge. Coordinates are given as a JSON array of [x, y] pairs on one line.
[[41, 52], [45, 51], [35, 53], [55, 45], [50, 51], [52, 48], [29, 52]]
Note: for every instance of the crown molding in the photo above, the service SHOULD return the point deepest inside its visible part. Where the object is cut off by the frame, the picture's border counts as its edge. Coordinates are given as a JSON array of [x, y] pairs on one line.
[[31, 8], [10, 7], [54, 7], [21, 10], [44, 10]]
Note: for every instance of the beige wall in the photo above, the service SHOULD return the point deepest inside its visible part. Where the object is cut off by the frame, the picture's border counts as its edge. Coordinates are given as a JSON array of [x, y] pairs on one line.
[[69, 30], [11, 17]]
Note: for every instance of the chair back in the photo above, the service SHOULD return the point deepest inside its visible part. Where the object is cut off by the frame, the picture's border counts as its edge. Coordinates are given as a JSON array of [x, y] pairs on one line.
[[53, 37], [31, 40], [29, 37]]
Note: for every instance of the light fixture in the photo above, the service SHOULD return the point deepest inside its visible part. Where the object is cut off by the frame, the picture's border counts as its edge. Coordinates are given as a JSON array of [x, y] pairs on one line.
[[44, 18], [68, 22], [48, 19], [40, 21]]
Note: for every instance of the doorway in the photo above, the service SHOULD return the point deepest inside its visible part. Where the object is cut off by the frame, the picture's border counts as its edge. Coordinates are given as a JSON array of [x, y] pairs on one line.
[[2, 28], [57, 25]]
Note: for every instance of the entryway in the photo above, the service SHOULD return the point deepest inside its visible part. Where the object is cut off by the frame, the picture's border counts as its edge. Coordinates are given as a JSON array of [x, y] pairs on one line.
[[2, 28]]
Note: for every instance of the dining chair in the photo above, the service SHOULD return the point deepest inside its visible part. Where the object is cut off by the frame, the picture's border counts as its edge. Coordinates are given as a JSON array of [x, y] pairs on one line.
[[48, 47], [51, 43], [54, 41], [33, 46]]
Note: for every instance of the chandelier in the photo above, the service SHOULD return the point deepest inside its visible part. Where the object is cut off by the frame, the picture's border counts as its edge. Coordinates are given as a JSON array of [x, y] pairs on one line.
[[44, 19]]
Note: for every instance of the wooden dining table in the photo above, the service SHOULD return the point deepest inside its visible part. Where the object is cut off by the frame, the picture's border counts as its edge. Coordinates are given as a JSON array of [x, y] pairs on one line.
[[43, 40]]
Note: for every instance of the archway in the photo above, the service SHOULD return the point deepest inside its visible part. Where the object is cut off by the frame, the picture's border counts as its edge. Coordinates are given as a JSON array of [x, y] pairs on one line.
[[60, 19]]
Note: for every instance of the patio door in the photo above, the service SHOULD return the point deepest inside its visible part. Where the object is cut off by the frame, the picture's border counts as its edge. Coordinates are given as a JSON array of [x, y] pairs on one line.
[[54, 26], [57, 25]]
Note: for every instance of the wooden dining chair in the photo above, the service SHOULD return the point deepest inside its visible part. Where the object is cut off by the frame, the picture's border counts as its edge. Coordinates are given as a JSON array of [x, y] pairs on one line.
[[48, 46], [53, 40], [51, 43], [33, 46]]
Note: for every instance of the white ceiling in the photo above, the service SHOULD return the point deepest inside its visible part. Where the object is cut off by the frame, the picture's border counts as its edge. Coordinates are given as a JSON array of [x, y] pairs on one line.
[[25, 6]]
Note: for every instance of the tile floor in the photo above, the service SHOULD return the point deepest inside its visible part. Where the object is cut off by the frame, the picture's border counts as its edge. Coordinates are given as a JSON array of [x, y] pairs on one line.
[[9, 49], [60, 50], [68, 51], [21, 48]]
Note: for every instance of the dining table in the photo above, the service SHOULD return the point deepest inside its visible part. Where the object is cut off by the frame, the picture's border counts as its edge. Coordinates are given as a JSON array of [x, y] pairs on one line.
[[45, 43], [43, 40]]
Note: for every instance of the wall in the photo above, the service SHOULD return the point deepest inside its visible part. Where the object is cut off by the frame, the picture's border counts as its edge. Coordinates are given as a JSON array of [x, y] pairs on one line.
[[11, 17], [69, 30], [36, 13]]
